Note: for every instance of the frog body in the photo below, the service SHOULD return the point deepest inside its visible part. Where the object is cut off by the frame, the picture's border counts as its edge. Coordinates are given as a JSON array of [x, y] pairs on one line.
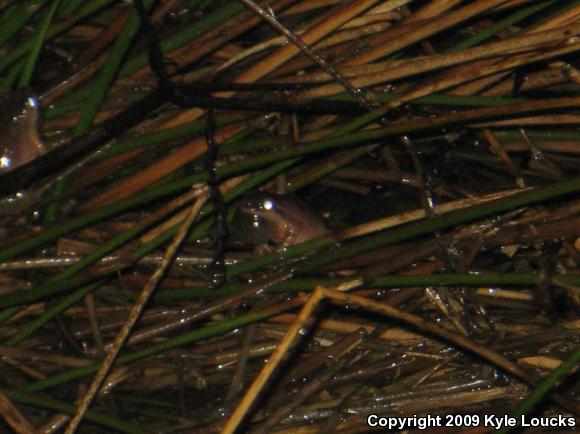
[[19, 141], [276, 221]]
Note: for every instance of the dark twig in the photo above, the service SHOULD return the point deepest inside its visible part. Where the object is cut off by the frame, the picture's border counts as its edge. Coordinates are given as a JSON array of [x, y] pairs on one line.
[[154, 52], [219, 228]]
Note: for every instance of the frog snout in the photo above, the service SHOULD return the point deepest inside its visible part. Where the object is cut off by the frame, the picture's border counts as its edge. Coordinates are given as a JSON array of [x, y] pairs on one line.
[[275, 221], [248, 228]]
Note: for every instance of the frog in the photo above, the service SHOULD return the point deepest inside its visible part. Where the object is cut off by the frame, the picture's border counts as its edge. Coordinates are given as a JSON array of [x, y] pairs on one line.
[[19, 119], [274, 221], [20, 144]]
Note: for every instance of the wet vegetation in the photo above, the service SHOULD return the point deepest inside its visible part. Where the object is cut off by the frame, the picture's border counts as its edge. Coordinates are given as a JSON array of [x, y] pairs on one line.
[[287, 215]]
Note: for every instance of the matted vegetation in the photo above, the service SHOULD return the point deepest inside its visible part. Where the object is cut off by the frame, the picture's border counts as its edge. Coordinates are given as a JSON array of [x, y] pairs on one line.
[[437, 140]]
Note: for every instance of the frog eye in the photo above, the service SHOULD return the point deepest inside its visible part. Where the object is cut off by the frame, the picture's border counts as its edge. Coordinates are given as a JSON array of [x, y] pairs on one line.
[[5, 162], [268, 204], [260, 204], [32, 101]]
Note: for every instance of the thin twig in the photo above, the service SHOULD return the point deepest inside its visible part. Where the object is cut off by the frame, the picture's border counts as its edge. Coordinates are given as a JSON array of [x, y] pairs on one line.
[[136, 313], [310, 52], [301, 321]]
